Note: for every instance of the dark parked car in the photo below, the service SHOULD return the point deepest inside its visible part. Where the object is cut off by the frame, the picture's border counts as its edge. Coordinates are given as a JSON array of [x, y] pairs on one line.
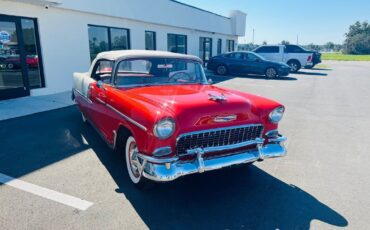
[[247, 63]]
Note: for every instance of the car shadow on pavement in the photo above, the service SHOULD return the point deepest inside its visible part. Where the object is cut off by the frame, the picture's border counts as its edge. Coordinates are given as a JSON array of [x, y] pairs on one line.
[[310, 73], [323, 69], [234, 198]]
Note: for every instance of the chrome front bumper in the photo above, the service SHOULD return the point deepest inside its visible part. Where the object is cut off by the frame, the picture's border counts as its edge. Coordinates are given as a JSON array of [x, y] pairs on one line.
[[168, 169]]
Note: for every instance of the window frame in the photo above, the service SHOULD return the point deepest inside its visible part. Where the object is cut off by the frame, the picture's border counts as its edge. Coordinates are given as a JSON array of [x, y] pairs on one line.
[[108, 28], [154, 39], [176, 41], [228, 43], [96, 64]]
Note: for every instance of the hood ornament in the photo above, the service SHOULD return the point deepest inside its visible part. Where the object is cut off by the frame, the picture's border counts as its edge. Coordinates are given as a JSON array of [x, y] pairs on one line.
[[213, 97]]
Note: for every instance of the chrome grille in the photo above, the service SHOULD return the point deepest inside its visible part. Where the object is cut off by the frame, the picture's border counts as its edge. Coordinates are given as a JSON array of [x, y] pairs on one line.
[[218, 137]]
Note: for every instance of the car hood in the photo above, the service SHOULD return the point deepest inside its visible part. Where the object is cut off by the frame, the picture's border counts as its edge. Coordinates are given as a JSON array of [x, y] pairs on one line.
[[193, 108]]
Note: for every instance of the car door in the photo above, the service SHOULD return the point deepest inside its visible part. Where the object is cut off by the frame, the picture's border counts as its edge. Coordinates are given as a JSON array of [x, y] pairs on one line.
[[236, 63], [98, 113], [253, 64]]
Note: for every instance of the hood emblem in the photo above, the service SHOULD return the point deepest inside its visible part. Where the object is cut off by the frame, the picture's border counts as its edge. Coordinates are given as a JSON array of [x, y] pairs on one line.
[[224, 118], [213, 97]]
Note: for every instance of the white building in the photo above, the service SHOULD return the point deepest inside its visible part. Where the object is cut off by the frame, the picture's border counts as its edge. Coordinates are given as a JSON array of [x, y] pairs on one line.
[[43, 42]]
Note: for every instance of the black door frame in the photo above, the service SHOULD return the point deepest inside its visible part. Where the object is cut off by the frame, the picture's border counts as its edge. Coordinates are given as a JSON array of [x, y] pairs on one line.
[[25, 90]]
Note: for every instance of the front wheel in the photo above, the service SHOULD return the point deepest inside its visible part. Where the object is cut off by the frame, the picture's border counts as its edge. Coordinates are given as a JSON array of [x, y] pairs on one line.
[[134, 165], [271, 73]]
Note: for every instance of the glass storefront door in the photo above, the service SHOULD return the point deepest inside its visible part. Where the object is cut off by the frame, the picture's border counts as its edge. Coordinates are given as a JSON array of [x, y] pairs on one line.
[[205, 49], [12, 61], [20, 59]]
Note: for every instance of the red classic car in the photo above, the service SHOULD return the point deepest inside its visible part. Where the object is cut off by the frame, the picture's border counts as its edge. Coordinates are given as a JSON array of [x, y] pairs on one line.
[[158, 109]]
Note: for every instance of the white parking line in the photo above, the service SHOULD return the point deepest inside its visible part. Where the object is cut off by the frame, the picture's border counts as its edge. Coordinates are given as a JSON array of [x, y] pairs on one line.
[[45, 193]]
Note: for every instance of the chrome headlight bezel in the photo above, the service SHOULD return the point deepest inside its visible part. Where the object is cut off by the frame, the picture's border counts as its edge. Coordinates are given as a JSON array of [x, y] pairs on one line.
[[162, 124], [276, 115]]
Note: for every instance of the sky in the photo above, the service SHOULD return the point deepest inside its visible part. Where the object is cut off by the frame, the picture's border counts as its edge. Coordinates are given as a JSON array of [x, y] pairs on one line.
[[314, 21]]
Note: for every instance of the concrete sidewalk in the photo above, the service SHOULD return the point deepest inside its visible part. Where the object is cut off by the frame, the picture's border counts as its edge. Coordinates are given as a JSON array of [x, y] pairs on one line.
[[34, 104]]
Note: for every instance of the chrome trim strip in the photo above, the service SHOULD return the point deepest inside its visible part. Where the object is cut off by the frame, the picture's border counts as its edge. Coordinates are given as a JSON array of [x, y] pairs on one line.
[[126, 117], [83, 96], [277, 139], [162, 151], [157, 160], [100, 100]]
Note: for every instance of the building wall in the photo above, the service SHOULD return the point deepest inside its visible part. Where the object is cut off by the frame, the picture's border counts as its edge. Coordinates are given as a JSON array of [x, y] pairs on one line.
[[64, 38]]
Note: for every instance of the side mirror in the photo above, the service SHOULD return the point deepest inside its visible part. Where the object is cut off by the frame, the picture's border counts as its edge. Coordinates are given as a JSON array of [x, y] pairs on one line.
[[210, 81], [99, 84]]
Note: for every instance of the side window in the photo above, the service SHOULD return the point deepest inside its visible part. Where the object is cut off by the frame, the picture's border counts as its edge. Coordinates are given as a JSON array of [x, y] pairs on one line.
[[103, 71], [293, 49], [235, 55], [251, 57], [268, 49]]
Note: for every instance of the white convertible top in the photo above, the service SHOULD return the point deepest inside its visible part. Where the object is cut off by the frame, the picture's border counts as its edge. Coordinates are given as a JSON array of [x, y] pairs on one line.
[[128, 54]]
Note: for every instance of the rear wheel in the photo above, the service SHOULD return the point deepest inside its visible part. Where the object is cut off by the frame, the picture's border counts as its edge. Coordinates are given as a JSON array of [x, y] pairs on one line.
[[221, 70], [134, 165], [271, 73], [294, 66]]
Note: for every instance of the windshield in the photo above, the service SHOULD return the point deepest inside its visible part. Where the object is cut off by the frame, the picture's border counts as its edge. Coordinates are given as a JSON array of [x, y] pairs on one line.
[[159, 71]]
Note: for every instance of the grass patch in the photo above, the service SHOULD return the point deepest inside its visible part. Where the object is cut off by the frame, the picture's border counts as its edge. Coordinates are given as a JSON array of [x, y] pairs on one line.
[[344, 57], [322, 66]]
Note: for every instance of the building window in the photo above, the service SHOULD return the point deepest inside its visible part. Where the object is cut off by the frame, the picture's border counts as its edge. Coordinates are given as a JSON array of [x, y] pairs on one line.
[[177, 43], [102, 38], [150, 40], [219, 46], [230, 45]]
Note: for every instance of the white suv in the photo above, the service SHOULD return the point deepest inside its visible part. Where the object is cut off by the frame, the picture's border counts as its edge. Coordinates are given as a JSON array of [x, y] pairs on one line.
[[295, 56]]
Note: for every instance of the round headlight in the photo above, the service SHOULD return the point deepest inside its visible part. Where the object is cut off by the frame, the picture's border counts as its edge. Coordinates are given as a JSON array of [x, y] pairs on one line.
[[164, 128], [276, 114]]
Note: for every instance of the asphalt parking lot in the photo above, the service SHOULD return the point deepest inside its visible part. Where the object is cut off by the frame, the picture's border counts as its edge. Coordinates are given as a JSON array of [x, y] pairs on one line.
[[323, 182]]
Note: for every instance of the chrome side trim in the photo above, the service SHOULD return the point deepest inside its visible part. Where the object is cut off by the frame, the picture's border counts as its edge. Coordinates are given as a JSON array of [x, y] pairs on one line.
[[126, 117], [83, 96], [225, 147], [100, 100]]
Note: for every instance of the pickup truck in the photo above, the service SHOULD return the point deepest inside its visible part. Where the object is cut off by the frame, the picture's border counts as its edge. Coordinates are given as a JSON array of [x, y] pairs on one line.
[[295, 56]]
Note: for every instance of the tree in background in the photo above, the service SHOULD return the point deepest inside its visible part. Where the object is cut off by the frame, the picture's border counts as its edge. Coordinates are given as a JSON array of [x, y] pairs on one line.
[[264, 43], [358, 39], [283, 42], [329, 46]]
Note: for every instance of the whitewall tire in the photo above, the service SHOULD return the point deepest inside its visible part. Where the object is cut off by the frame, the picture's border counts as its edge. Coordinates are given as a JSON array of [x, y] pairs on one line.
[[134, 165]]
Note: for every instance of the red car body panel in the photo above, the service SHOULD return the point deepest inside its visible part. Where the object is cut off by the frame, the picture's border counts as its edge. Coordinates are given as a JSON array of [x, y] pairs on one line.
[[189, 105]]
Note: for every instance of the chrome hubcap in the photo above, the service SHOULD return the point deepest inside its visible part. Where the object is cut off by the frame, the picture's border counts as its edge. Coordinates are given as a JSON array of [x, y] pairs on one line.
[[134, 160], [221, 70], [271, 73], [293, 67]]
